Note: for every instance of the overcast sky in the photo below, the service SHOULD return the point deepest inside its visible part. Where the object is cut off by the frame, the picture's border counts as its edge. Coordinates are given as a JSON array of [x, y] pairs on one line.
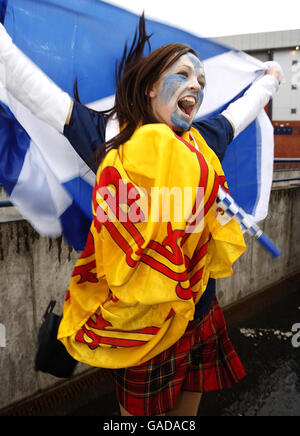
[[220, 17]]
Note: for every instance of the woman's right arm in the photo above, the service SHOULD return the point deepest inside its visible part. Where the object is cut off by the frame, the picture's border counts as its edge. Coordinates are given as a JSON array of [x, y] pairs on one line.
[[33, 88]]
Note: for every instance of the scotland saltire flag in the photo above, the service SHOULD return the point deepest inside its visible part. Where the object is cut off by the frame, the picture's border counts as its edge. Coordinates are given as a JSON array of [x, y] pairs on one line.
[[42, 174]]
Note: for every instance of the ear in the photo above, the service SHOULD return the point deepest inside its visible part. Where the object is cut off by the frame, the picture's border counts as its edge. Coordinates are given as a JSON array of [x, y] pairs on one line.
[[153, 91]]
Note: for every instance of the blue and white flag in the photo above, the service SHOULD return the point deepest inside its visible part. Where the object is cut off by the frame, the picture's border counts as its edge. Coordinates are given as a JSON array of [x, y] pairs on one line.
[[41, 172]]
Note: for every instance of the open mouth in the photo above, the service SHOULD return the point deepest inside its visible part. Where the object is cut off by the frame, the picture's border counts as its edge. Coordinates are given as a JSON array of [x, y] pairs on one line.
[[187, 104]]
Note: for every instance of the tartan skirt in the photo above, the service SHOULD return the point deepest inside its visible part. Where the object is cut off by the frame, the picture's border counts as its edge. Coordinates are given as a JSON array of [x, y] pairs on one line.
[[202, 360]]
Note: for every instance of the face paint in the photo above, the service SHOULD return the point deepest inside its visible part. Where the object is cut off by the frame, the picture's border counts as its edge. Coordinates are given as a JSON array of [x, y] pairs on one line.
[[177, 95], [196, 62], [180, 120], [170, 84]]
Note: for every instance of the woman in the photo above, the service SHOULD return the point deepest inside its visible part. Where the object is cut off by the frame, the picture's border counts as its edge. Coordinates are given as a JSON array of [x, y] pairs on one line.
[[141, 300]]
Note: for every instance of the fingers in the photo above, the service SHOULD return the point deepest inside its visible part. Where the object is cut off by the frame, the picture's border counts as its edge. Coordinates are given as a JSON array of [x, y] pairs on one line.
[[275, 70]]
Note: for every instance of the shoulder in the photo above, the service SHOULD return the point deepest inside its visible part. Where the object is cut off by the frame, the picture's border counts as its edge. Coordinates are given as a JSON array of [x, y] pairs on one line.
[[85, 130], [83, 115], [159, 138], [215, 127], [153, 132], [218, 132], [155, 148]]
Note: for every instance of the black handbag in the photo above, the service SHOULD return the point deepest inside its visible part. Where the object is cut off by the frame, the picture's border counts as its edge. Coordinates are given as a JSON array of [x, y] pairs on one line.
[[51, 356]]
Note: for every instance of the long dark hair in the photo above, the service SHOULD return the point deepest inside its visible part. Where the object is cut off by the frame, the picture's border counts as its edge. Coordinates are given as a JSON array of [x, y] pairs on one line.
[[135, 77]]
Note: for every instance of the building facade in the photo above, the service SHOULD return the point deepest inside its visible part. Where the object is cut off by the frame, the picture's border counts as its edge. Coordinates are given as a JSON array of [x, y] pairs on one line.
[[284, 110]]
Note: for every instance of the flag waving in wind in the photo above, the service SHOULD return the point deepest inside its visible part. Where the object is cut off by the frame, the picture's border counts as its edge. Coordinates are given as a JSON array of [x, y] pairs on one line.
[[43, 175]]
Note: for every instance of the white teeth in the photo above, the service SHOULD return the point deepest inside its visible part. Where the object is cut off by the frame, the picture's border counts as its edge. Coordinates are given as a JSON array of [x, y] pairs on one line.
[[188, 100]]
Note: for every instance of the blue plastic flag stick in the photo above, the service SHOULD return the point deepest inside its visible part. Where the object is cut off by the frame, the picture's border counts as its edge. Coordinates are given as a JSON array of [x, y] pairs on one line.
[[229, 206]]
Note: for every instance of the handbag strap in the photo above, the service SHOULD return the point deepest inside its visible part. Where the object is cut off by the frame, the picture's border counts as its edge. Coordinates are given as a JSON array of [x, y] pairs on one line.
[[50, 308]]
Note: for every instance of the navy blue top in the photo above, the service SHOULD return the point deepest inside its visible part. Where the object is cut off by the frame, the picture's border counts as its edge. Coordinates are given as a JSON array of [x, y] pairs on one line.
[[86, 133]]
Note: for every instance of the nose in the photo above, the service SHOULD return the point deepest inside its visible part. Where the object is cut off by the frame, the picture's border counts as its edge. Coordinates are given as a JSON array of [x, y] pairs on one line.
[[195, 85]]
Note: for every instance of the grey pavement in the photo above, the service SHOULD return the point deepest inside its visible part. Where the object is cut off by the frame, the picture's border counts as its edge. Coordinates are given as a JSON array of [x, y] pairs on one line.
[[266, 346], [261, 331]]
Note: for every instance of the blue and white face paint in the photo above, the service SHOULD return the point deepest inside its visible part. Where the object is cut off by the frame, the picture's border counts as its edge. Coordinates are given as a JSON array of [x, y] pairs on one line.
[[177, 95]]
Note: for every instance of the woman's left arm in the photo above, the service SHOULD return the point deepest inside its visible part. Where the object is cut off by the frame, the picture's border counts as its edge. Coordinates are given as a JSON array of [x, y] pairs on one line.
[[243, 111]]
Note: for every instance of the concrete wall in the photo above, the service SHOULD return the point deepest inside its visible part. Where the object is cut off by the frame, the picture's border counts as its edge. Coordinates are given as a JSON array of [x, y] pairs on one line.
[[256, 270], [34, 270]]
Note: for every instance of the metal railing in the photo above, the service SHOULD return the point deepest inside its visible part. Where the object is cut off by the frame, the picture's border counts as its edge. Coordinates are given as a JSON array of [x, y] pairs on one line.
[[286, 159], [290, 160], [291, 179], [7, 203]]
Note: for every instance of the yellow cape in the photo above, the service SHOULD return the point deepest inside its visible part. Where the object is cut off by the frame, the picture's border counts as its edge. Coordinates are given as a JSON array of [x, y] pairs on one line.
[[153, 244]]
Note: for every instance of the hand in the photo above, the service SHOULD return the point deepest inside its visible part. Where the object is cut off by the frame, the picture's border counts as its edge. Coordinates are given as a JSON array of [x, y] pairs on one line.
[[275, 70]]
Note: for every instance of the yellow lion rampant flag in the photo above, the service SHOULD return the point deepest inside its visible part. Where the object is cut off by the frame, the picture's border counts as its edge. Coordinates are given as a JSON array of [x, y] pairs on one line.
[[154, 242]]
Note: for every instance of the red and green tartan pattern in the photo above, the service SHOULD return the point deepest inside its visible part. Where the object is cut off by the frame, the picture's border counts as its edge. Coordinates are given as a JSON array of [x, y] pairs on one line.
[[202, 360]]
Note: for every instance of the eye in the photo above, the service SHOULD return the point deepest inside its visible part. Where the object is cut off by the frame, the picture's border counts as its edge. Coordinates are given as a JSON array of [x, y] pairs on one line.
[[202, 84], [183, 73], [201, 81]]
